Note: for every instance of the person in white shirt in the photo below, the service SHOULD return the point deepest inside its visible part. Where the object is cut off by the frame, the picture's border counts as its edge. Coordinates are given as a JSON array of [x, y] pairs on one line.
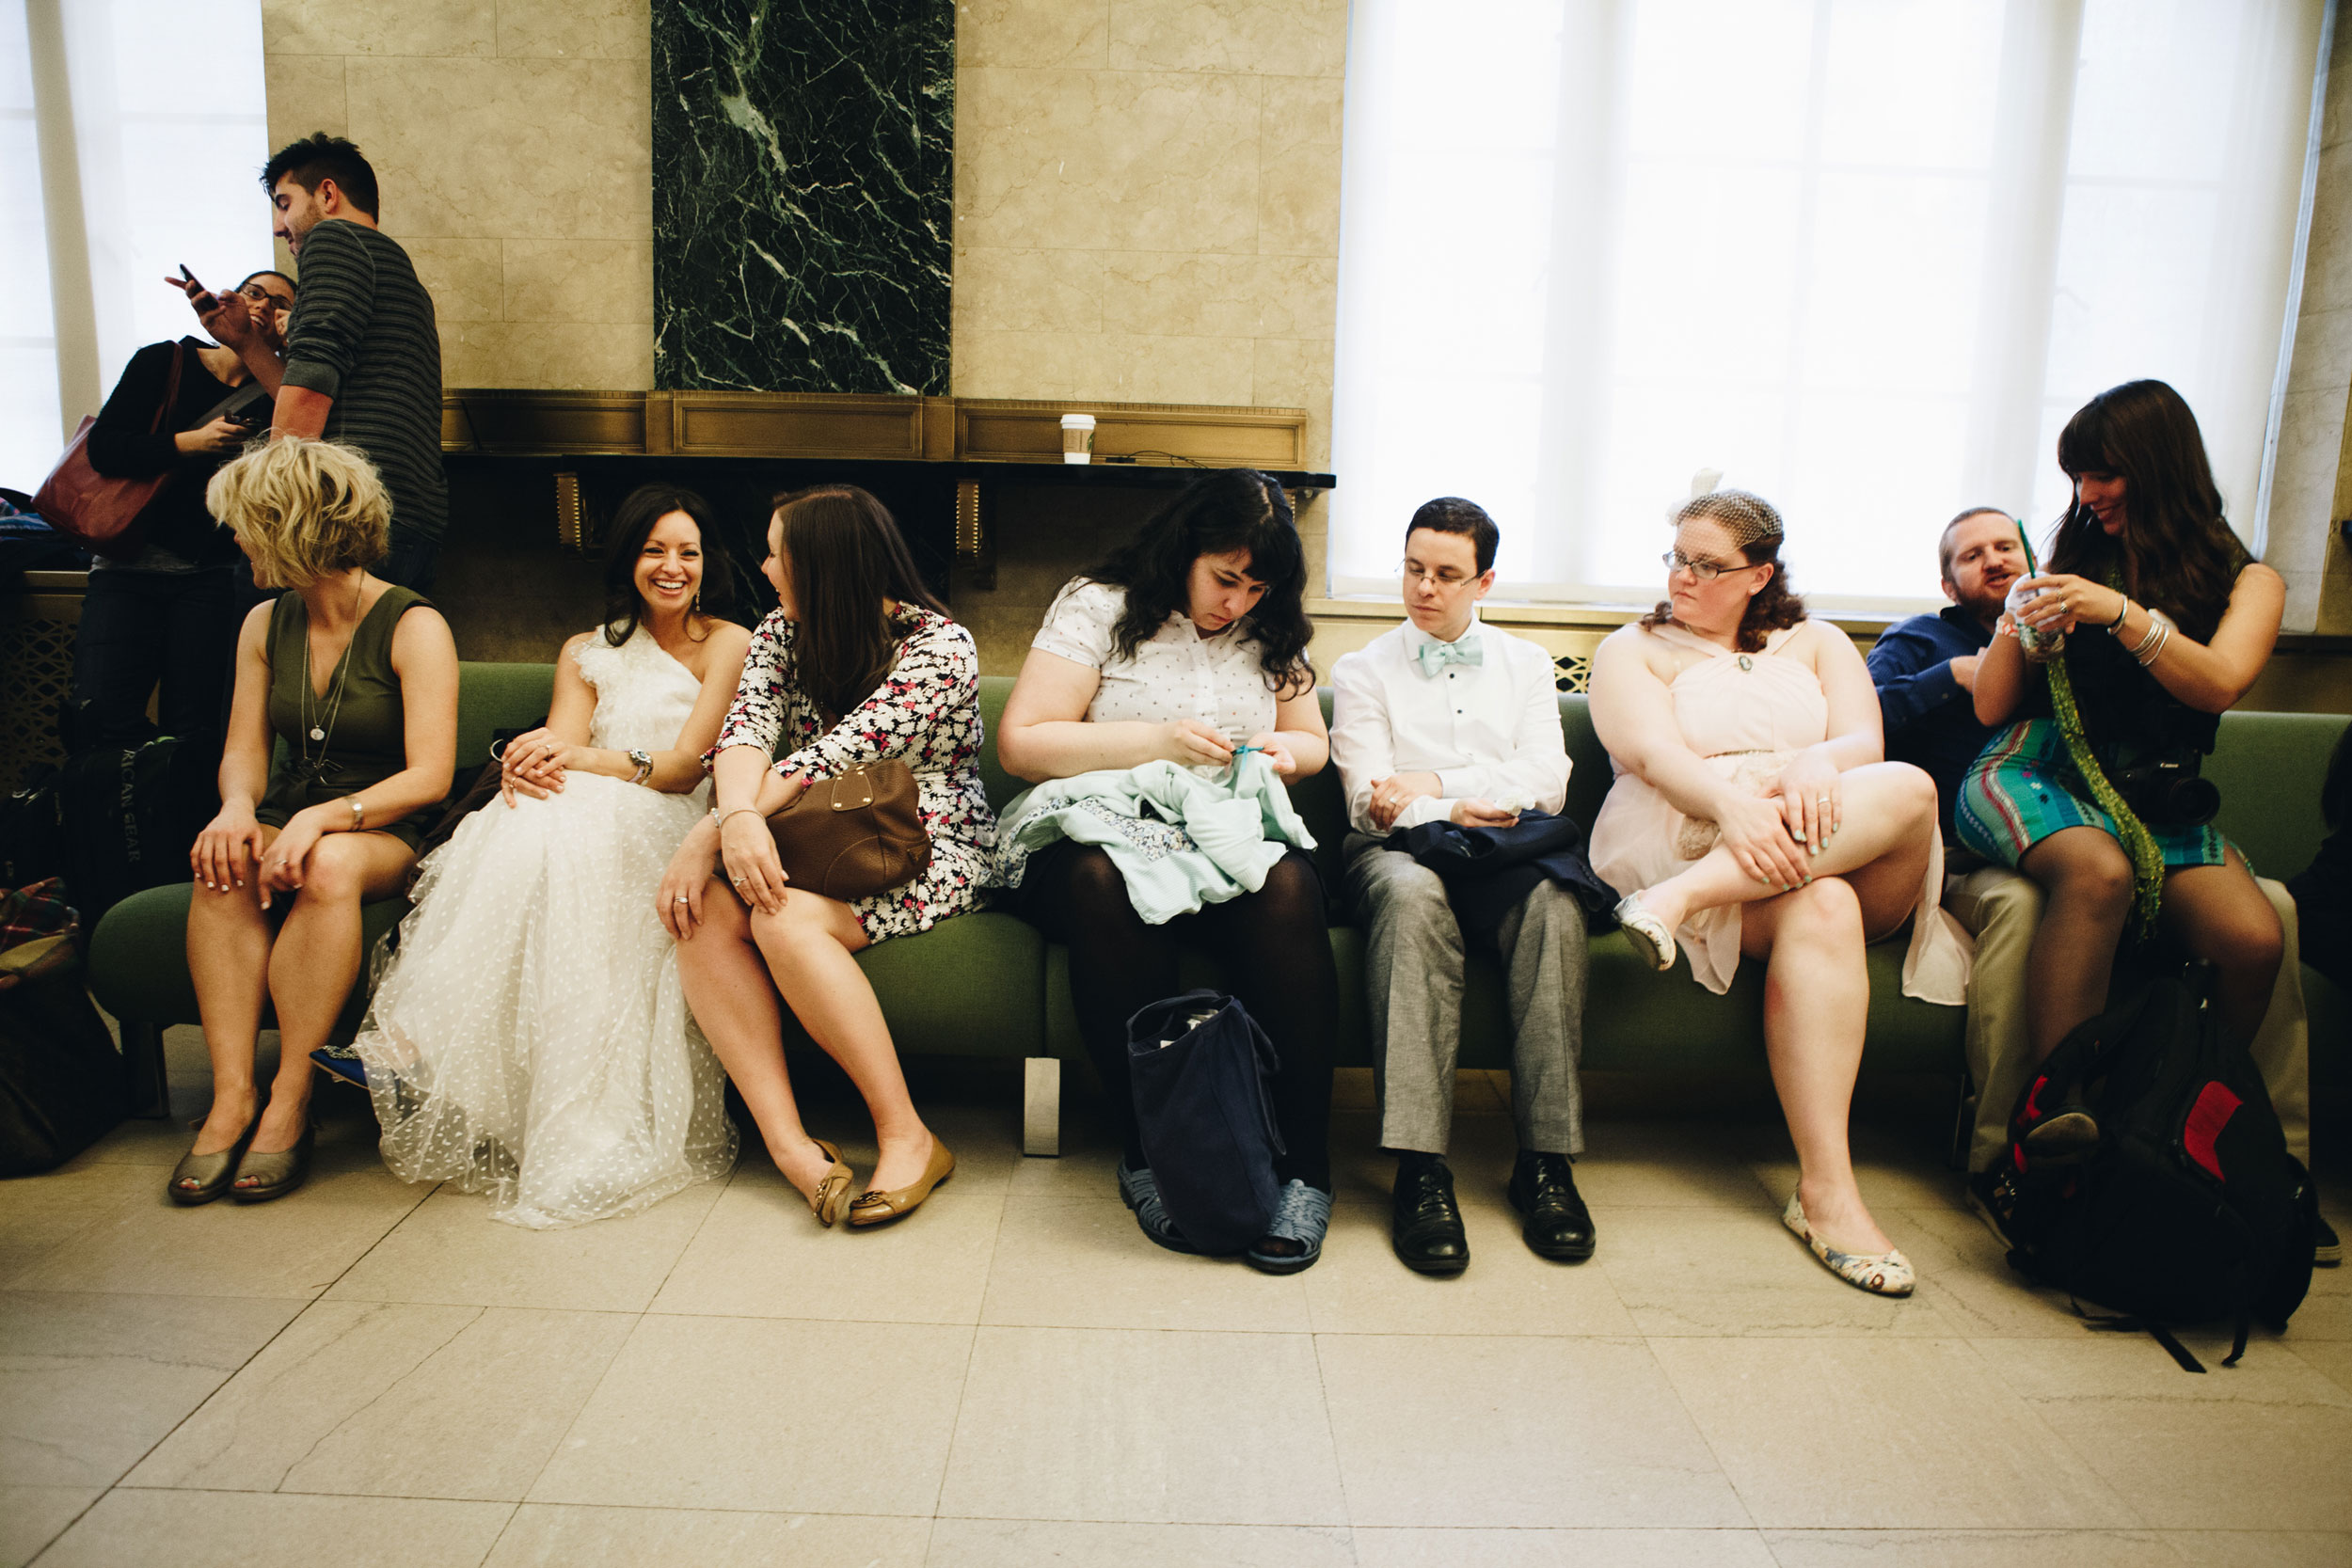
[[1445, 719]]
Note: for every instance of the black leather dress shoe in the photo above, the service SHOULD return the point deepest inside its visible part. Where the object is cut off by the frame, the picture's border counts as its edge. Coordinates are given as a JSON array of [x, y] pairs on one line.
[[1557, 1225], [1425, 1225]]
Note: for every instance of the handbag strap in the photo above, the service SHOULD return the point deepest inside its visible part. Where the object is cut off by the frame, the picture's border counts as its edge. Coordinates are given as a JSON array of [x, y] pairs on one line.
[[171, 386]]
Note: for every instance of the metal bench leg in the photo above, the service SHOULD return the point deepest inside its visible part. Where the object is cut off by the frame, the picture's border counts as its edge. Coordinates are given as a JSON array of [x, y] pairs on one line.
[[143, 1067], [1041, 1105]]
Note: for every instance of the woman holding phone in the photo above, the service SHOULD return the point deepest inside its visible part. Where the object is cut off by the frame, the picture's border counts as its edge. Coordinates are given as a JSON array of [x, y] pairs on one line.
[[168, 611]]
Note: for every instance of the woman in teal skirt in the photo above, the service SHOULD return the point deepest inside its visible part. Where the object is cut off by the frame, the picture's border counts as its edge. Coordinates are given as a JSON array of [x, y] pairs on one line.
[[2090, 788]]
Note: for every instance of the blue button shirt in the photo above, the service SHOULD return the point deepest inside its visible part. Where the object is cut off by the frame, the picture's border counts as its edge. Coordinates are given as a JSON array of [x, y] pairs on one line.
[[1931, 719]]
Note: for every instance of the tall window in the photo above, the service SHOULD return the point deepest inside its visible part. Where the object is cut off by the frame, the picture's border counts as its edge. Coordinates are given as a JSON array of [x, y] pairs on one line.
[[1863, 256], [131, 137]]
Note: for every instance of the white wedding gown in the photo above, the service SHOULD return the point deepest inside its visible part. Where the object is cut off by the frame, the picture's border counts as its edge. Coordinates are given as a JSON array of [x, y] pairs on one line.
[[530, 1038]]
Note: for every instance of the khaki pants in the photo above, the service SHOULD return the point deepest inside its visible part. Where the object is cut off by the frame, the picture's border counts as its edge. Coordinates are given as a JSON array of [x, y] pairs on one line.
[[2003, 909]]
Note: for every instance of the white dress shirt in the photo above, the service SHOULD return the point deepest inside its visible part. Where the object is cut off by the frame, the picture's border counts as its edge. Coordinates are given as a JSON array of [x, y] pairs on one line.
[[1176, 673], [1487, 731]]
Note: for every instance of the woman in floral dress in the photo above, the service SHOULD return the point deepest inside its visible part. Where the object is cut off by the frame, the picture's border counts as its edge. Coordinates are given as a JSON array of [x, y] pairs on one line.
[[858, 663]]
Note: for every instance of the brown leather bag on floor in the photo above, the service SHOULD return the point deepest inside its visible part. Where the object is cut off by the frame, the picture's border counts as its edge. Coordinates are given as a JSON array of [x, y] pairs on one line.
[[855, 835]]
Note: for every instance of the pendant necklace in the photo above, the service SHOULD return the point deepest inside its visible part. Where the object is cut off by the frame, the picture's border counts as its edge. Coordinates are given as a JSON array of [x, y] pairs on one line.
[[317, 726]]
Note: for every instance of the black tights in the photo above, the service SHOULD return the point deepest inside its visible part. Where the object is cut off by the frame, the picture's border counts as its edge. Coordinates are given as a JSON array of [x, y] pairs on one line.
[[1274, 950]]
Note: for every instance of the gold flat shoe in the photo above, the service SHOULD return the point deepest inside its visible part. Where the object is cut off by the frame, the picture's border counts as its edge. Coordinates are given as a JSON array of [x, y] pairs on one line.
[[825, 1202], [275, 1174], [1882, 1273], [873, 1208], [211, 1173]]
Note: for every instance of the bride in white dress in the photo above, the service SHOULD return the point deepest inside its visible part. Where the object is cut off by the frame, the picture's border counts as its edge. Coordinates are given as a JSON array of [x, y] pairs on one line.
[[530, 1038]]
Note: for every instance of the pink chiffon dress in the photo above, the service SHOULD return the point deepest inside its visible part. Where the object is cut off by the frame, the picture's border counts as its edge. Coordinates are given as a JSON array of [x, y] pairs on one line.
[[1747, 714]]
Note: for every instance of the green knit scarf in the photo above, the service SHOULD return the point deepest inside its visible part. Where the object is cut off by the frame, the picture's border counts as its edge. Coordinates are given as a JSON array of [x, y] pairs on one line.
[[2146, 853]]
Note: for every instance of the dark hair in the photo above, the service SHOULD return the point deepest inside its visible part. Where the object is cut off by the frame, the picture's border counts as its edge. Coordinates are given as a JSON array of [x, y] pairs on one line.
[[845, 556], [1944, 542], [2177, 552], [1770, 607], [1453, 515], [268, 272], [1233, 509], [319, 157], [631, 526]]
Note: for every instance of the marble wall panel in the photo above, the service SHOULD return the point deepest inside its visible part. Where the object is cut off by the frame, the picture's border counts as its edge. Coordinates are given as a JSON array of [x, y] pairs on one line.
[[414, 27], [1147, 209], [512, 141], [579, 280], [1074, 33], [1265, 38], [526, 148], [576, 29], [1298, 175], [466, 277], [803, 154]]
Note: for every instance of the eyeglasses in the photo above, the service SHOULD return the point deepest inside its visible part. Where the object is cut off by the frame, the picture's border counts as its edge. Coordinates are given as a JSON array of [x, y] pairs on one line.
[[260, 296], [1442, 578], [1706, 571]]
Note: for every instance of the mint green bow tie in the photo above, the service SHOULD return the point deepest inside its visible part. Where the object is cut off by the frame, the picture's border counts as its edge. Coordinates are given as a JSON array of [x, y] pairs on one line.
[[1433, 656]]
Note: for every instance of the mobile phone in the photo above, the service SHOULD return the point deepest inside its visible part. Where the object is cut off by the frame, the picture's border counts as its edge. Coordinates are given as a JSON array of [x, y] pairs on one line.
[[190, 277]]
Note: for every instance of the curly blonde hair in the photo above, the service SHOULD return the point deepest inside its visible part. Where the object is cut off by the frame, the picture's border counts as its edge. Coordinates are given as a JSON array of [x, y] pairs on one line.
[[303, 510]]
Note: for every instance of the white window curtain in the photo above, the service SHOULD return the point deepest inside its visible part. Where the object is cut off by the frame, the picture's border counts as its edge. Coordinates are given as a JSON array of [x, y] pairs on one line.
[[132, 138], [1863, 256]]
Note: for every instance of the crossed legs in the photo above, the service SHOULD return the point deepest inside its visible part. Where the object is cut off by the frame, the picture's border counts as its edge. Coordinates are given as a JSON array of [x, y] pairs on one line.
[[1816, 988]]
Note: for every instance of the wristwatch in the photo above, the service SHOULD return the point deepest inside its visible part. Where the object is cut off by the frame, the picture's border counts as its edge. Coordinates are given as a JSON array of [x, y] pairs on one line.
[[643, 760]]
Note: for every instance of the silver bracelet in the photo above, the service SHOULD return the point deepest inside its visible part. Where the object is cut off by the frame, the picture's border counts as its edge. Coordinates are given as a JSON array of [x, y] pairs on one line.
[[736, 812], [2151, 656], [2115, 627], [2153, 637]]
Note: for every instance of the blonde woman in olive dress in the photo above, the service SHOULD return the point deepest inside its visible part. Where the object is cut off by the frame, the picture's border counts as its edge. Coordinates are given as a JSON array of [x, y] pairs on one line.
[[356, 679]]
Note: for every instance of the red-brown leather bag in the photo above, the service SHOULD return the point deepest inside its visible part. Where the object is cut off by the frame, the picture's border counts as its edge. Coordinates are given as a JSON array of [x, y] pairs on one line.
[[103, 513], [856, 835]]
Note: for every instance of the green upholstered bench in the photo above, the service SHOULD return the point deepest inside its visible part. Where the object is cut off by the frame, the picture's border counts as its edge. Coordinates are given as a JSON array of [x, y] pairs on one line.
[[987, 985]]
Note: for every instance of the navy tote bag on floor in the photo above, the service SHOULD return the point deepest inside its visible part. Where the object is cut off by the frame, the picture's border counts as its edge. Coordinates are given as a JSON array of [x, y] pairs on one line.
[[1200, 1064]]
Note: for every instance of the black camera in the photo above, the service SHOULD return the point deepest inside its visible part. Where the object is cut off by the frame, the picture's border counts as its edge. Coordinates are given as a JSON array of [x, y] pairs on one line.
[[2167, 791]]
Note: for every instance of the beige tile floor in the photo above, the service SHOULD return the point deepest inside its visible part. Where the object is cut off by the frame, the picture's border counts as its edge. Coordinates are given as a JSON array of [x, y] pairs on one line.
[[377, 1373]]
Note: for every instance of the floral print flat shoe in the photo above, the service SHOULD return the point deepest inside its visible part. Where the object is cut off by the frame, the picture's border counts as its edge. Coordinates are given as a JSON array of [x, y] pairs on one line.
[[1650, 936], [1882, 1273]]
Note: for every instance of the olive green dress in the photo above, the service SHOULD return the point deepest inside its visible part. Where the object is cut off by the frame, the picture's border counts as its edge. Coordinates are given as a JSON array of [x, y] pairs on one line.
[[366, 737]]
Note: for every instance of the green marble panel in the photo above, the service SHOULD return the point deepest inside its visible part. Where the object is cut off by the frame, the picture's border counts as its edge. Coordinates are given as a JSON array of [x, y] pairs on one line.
[[803, 167]]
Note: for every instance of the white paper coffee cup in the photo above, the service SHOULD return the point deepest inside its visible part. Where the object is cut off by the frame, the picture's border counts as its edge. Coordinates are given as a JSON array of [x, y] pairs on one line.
[[1077, 438]]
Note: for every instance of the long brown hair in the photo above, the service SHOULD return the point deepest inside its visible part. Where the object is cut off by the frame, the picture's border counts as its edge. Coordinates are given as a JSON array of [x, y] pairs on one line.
[[2177, 552], [1755, 527], [1231, 509], [846, 558]]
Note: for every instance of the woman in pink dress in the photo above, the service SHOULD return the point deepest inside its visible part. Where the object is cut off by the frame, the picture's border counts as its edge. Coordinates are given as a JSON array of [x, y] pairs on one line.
[[1754, 815]]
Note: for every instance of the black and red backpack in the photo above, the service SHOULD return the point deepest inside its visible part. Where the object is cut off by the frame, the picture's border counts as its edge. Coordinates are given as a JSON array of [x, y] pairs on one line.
[[2190, 1209]]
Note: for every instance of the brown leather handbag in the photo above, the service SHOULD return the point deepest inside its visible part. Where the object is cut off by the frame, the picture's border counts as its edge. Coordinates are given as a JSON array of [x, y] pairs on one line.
[[855, 835], [103, 513]]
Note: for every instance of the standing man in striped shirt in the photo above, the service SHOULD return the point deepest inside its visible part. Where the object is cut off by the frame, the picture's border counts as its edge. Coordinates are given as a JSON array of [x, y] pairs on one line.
[[363, 358]]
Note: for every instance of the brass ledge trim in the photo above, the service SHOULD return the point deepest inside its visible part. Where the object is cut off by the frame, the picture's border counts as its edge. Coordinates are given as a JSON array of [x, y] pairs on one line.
[[522, 422]]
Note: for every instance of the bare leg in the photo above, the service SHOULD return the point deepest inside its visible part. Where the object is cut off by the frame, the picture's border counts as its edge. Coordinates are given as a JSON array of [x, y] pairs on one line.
[[2088, 879], [229, 943], [315, 964], [808, 946], [1817, 1001], [1888, 811], [735, 1003], [2220, 916]]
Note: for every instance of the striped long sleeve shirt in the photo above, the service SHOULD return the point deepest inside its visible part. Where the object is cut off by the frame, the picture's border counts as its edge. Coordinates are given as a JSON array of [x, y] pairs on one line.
[[363, 334]]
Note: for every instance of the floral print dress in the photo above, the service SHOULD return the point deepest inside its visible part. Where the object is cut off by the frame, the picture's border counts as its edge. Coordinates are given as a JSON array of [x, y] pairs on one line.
[[926, 714]]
